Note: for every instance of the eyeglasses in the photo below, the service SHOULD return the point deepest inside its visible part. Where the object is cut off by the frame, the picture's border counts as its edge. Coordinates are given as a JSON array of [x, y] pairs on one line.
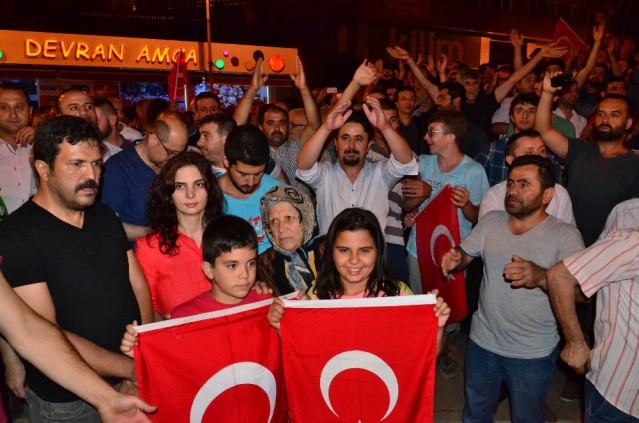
[[430, 132], [169, 153]]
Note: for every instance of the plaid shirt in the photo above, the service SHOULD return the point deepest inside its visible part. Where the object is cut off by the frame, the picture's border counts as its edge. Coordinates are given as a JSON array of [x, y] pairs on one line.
[[493, 158]]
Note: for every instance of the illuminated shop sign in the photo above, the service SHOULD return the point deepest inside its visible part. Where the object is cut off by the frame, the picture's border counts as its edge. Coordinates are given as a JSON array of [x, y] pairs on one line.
[[39, 48]]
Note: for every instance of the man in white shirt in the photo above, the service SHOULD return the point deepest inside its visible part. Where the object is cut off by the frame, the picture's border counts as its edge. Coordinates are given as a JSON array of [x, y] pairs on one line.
[[352, 181], [17, 183], [566, 101], [522, 143]]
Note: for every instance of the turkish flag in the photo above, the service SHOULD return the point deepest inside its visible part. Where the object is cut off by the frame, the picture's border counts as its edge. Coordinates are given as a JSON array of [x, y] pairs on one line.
[[180, 88], [566, 37], [437, 231], [220, 366], [360, 360]]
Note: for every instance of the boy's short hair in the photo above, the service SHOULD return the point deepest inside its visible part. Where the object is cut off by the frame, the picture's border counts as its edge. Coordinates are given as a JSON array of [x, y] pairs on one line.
[[526, 98], [453, 121], [225, 234]]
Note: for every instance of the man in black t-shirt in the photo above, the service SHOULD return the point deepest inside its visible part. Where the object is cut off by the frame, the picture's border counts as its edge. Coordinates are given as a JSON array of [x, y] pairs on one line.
[[70, 260], [600, 175]]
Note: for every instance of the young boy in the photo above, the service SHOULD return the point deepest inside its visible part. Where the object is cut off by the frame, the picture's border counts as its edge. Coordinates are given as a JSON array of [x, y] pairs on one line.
[[229, 250]]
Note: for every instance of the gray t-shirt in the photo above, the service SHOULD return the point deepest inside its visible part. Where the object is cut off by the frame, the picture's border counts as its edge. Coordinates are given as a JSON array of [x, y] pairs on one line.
[[517, 323]]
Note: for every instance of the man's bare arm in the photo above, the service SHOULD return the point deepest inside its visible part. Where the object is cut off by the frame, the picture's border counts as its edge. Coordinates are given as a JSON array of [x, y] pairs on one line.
[[400, 53], [313, 118], [41, 343], [550, 50], [597, 35], [140, 289], [104, 362], [243, 109], [561, 288], [554, 140], [133, 232]]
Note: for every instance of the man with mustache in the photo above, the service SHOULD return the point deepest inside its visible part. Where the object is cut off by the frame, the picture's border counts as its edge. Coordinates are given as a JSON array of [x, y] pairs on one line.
[[246, 154], [70, 260], [353, 181], [513, 336], [600, 174]]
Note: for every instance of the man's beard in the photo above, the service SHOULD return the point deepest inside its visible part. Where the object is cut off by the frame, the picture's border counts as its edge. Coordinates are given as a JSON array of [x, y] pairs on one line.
[[244, 189], [277, 138], [351, 162], [611, 135]]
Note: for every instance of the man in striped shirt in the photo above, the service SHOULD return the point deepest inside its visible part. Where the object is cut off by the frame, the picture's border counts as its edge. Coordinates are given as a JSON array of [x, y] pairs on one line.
[[610, 267]]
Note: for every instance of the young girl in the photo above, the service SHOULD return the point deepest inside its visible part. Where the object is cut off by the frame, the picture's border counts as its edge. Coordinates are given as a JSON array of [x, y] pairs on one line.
[[184, 198], [354, 266]]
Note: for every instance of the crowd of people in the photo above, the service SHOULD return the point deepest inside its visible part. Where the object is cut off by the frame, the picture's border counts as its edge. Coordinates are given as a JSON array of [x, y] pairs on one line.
[[118, 218]]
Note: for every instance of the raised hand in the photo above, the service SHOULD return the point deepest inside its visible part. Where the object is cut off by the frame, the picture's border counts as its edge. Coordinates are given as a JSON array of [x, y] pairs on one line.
[[516, 39], [442, 63], [553, 51], [337, 116], [373, 111], [366, 74], [258, 81], [299, 79], [598, 32], [398, 53]]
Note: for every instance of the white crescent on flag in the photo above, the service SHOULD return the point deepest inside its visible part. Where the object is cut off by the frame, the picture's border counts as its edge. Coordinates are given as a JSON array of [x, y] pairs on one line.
[[439, 231], [359, 360], [235, 374]]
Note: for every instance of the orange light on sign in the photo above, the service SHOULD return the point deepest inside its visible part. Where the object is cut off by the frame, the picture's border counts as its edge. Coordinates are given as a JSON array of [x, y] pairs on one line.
[[276, 63], [249, 65]]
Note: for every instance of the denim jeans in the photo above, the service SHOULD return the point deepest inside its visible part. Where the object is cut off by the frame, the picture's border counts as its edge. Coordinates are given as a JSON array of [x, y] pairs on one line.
[[598, 410], [528, 383], [52, 412]]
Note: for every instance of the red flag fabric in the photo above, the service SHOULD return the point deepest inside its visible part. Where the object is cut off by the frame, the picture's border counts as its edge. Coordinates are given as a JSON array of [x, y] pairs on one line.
[[179, 79], [220, 366], [360, 360], [437, 231], [566, 37]]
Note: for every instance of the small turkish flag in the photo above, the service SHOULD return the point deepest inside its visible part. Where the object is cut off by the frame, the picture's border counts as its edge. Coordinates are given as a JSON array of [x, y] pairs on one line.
[[437, 231], [360, 360], [566, 37], [179, 81], [220, 366]]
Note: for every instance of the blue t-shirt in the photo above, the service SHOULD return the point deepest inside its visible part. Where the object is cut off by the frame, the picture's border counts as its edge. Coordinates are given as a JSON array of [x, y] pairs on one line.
[[249, 210], [126, 184], [468, 174]]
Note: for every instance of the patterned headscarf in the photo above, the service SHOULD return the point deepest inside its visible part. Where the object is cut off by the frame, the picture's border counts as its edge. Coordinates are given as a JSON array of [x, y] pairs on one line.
[[299, 200], [296, 261]]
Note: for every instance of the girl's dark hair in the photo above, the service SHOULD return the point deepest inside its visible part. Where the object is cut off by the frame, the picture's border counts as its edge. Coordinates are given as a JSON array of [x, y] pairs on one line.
[[162, 213], [328, 284]]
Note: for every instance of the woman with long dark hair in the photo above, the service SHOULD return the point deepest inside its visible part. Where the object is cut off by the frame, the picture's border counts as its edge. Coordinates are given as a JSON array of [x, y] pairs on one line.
[[184, 198]]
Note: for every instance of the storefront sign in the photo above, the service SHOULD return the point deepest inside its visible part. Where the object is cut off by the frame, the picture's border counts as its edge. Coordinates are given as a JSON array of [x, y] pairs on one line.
[[39, 48]]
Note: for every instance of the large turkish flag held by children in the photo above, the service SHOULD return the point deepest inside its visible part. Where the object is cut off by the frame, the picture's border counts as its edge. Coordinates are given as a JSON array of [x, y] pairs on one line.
[[437, 231], [360, 360], [223, 366]]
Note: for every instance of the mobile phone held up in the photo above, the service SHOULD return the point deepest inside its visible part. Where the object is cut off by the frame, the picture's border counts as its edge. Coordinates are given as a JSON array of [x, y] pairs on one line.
[[562, 80]]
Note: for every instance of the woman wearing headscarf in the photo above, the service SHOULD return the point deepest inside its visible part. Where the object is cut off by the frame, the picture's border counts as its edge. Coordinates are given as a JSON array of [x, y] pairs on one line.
[[288, 218]]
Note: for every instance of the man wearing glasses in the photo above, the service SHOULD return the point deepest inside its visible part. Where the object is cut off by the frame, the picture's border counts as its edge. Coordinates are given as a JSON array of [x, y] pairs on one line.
[[129, 174]]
